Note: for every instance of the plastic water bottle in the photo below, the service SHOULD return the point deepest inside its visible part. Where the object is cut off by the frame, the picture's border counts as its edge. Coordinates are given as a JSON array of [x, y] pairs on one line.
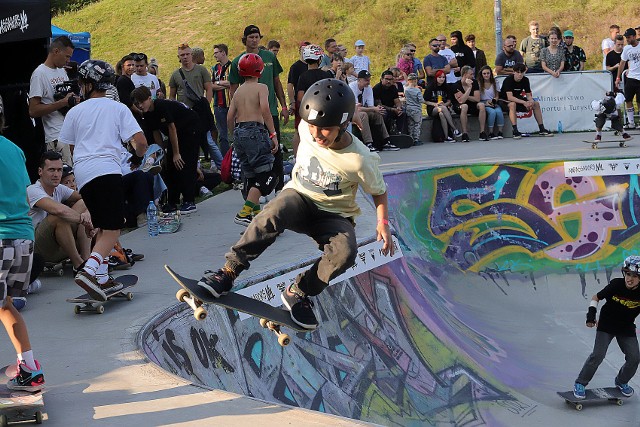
[[152, 219], [559, 126]]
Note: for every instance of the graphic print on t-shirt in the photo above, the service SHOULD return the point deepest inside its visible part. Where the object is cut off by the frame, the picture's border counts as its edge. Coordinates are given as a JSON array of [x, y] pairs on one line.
[[314, 178]]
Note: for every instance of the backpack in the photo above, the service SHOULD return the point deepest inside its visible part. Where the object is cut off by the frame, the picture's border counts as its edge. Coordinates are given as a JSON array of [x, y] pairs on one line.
[[437, 133], [225, 167]]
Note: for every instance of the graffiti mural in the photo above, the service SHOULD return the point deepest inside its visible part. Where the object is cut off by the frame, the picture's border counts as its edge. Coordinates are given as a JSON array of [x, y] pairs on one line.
[[373, 359], [520, 217]]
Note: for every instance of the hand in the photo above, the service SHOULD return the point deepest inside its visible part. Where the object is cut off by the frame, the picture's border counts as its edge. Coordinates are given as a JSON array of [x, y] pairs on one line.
[[285, 116], [85, 219], [89, 231], [160, 95], [381, 109], [384, 233], [177, 161], [274, 144], [591, 324], [200, 175]]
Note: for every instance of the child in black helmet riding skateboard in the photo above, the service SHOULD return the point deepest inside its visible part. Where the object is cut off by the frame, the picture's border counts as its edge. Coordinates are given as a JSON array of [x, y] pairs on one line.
[[318, 201], [616, 321]]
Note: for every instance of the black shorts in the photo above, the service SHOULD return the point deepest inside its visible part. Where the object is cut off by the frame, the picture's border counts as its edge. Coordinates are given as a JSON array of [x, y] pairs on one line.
[[104, 197], [264, 181], [472, 111], [631, 89]]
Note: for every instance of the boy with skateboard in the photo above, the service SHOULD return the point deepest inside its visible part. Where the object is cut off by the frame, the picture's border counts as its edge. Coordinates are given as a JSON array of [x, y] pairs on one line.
[[16, 256], [95, 130], [605, 109], [255, 138], [318, 201], [616, 321]]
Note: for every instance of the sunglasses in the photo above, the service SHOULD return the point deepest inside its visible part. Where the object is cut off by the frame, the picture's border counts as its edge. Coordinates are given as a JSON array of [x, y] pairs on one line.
[[413, 51]]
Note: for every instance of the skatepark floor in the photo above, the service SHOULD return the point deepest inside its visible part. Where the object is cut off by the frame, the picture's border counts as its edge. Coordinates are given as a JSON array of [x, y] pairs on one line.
[[95, 373]]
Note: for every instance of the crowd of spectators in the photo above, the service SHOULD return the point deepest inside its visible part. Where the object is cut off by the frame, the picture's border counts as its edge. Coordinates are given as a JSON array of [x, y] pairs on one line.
[[185, 119]]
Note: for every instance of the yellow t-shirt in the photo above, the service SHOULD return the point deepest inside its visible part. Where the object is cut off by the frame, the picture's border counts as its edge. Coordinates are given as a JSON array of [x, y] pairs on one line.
[[331, 177]]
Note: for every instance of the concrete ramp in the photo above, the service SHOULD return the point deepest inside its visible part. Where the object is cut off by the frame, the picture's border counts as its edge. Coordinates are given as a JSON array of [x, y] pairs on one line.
[[480, 323]]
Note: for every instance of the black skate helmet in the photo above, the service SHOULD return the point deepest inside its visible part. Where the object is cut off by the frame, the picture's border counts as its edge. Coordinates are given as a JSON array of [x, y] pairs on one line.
[[97, 72], [609, 104], [328, 102]]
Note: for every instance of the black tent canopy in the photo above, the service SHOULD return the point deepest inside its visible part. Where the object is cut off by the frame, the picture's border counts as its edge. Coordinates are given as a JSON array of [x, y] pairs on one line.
[[24, 20]]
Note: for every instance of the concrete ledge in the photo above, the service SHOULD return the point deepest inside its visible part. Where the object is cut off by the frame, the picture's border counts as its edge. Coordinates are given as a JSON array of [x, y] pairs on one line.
[[473, 125]]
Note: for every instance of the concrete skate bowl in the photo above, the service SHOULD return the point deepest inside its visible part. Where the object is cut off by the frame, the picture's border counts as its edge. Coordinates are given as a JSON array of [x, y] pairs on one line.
[[479, 324]]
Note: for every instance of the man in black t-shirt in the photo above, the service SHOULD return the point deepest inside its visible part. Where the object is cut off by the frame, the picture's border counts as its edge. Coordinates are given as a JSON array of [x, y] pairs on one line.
[[296, 69], [386, 94], [613, 58], [180, 123], [516, 91], [616, 321]]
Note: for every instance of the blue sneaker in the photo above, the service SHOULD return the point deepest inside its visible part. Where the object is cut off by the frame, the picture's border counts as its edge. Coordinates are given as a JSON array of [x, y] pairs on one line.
[[579, 391], [625, 389], [19, 302], [27, 379]]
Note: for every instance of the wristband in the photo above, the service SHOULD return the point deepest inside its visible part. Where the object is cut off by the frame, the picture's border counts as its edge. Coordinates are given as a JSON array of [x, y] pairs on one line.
[[272, 134], [384, 221], [593, 304]]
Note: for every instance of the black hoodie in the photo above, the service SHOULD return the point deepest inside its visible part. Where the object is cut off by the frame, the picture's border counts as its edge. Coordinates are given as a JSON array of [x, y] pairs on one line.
[[464, 54]]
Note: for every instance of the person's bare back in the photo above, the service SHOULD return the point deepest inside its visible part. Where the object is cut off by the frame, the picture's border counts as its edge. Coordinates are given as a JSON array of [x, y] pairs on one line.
[[250, 102]]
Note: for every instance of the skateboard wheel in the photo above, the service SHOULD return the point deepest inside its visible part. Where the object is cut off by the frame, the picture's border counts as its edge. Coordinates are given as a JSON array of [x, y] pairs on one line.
[[619, 402], [578, 406], [60, 272], [200, 313], [3, 420], [622, 145], [129, 296], [100, 309], [77, 309], [594, 146], [284, 340], [181, 294], [264, 323], [38, 417]]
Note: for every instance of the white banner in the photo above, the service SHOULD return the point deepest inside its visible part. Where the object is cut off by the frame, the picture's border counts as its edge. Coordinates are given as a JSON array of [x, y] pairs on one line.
[[369, 257], [602, 167], [565, 99]]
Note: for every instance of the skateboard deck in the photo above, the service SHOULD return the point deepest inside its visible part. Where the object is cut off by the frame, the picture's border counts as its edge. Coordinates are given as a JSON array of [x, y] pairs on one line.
[[270, 317], [611, 394], [96, 306], [401, 140], [56, 267], [169, 223], [18, 405], [621, 142]]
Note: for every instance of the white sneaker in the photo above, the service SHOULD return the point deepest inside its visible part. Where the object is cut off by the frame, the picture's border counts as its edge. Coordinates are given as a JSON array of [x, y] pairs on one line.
[[457, 133], [34, 286], [205, 192]]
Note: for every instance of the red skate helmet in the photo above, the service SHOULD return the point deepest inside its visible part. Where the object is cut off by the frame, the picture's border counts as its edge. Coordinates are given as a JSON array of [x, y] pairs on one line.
[[250, 65]]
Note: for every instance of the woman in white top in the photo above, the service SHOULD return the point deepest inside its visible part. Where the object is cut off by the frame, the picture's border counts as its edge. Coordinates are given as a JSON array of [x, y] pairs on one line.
[[489, 97]]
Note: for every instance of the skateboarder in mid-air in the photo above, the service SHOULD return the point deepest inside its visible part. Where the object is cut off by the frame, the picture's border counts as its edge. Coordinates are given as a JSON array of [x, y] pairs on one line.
[[616, 321], [16, 258], [318, 201]]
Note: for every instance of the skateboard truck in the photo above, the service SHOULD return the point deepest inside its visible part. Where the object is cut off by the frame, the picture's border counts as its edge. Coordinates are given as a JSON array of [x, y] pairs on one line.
[[199, 312], [283, 339]]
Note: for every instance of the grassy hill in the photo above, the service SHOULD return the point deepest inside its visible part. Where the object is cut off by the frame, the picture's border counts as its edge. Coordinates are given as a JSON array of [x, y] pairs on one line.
[[156, 27]]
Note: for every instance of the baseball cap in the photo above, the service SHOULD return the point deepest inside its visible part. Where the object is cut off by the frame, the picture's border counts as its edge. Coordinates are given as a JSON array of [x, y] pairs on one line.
[[364, 74], [359, 43], [252, 29], [629, 32], [66, 171], [568, 33], [412, 76]]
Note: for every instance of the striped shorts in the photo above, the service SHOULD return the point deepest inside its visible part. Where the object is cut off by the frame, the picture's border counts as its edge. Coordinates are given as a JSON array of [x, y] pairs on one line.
[[16, 257]]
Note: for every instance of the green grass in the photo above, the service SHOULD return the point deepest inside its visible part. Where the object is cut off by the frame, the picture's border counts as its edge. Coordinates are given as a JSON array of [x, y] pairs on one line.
[[156, 27]]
